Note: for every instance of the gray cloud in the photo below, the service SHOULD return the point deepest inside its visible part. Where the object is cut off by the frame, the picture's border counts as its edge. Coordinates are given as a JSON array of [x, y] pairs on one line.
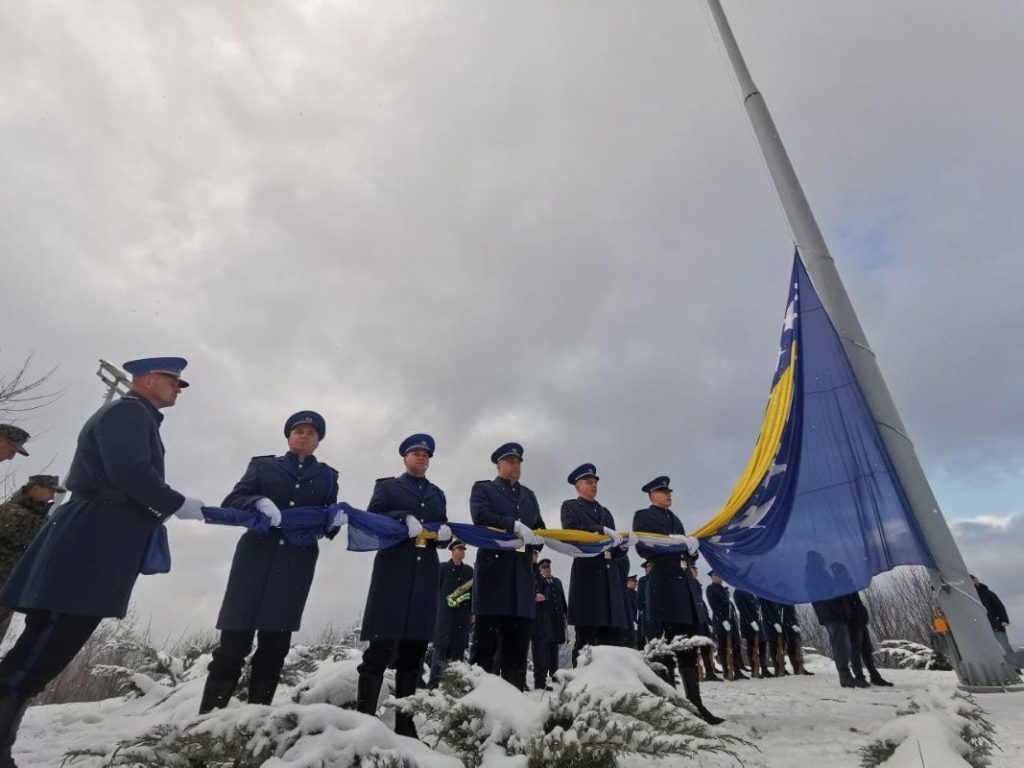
[[495, 221]]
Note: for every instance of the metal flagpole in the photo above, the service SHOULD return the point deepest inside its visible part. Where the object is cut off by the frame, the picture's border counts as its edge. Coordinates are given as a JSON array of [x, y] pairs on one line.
[[980, 664]]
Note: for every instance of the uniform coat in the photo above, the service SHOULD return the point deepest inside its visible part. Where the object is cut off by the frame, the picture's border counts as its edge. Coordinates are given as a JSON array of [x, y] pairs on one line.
[[402, 601], [746, 607], [722, 610], [270, 577], [549, 622], [772, 614], [88, 554], [504, 579], [673, 594], [597, 588], [453, 624], [20, 521]]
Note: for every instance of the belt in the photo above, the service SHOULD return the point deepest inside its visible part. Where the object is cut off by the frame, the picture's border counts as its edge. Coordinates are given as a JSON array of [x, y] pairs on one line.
[[102, 494]]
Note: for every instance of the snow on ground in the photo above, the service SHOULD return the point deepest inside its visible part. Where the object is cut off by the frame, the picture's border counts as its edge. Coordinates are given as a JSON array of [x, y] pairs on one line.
[[793, 721]]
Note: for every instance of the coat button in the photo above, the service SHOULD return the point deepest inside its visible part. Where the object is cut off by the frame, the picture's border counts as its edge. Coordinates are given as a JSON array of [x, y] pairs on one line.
[[296, 485], [281, 542], [291, 503]]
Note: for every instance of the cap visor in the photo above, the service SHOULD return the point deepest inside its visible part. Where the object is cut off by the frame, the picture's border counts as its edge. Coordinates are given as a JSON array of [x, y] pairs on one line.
[[183, 384], [21, 450]]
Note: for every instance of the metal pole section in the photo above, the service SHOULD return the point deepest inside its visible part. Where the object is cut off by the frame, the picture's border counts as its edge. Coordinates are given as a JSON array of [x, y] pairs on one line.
[[981, 664]]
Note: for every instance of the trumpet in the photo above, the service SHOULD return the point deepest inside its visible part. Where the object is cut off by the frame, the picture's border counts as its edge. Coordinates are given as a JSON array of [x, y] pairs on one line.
[[460, 595]]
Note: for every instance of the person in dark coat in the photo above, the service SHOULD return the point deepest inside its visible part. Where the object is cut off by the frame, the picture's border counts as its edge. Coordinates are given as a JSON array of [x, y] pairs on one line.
[[863, 654], [21, 517], [548, 631], [401, 606], [83, 564], [673, 594], [646, 629], [998, 618], [771, 630], [793, 638], [12, 441], [632, 610], [270, 577], [833, 614], [726, 622], [597, 600], [505, 596], [749, 614], [451, 635]]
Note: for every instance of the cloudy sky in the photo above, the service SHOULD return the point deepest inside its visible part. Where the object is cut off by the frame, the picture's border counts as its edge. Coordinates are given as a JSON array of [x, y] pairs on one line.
[[537, 221]]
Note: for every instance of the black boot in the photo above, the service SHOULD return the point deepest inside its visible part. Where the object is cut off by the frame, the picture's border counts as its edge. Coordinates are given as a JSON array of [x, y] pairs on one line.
[[691, 685], [877, 679], [516, 677], [860, 682], [216, 693], [405, 685], [368, 693], [846, 680], [740, 675], [12, 709], [262, 691]]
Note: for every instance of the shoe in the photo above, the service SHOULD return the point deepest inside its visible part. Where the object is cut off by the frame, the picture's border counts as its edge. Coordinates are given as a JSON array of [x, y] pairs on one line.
[[860, 682], [691, 685], [711, 677], [216, 693], [766, 673], [805, 672], [740, 676], [262, 691], [368, 693], [879, 680], [846, 680]]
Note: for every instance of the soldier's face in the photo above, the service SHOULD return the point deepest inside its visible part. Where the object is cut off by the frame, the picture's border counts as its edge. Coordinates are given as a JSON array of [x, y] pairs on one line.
[[510, 468], [458, 555], [40, 493], [303, 440], [587, 488], [416, 462], [7, 449], [545, 571], [159, 388], [662, 498]]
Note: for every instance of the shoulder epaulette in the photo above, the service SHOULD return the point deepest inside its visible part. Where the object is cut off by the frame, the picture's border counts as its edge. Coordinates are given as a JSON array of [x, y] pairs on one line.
[[382, 479], [481, 482], [268, 456]]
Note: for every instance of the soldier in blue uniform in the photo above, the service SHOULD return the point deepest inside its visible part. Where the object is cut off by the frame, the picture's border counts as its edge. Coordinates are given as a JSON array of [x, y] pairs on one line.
[[632, 610], [673, 594], [270, 577], [726, 623], [505, 595], [750, 630], [791, 632], [597, 588], [401, 606], [548, 631], [83, 564], [451, 636], [774, 637], [645, 627], [706, 651]]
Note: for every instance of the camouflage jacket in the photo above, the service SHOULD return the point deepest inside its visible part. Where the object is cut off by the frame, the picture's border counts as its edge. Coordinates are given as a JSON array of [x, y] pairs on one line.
[[20, 521]]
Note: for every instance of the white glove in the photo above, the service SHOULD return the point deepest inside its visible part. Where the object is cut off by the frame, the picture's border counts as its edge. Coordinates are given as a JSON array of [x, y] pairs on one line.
[[777, 628], [726, 626], [796, 629], [691, 543], [340, 519], [630, 541], [191, 509], [615, 536], [526, 534], [269, 508], [414, 526], [444, 533], [754, 625]]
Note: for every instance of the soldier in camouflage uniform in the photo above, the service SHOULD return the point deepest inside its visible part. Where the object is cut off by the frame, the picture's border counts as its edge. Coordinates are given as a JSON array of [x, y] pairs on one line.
[[21, 517], [12, 441]]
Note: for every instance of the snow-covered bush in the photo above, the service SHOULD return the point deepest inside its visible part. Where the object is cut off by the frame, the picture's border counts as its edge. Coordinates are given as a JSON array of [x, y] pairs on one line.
[[933, 728], [612, 704], [905, 654]]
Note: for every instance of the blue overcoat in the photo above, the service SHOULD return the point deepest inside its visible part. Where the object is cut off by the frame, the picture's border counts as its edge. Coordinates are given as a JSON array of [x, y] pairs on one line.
[[86, 557], [402, 601], [747, 608], [722, 610], [645, 623], [549, 620], [504, 579], [772, 614], [270, 577], [673, 594], [597, 585], [453, 624]]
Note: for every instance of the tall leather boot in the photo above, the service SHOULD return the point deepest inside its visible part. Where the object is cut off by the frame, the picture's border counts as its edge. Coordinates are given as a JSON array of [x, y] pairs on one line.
[[217, 692], [368, 693], [12, 709], [797, 669], [261, 691], [405, 685], [691, 685]]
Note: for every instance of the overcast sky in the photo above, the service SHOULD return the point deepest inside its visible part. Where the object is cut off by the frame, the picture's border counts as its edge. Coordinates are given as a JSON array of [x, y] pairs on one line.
[[491, 221]]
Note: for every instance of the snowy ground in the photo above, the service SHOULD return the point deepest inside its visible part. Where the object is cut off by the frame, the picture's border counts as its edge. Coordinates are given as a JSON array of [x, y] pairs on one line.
[[793, 721]]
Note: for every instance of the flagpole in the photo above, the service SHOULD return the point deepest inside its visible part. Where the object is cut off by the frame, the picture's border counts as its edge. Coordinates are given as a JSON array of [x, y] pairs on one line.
[[981, 664]]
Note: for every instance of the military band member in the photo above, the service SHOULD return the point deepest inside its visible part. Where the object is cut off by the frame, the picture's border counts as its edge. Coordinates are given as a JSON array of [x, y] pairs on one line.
[[726, 623], [12, 441], [548, 632], [270, 577], [750, 629], [401, 606], [83, 564], [673, 596], [505, 595], [597, 589], [451, 635]]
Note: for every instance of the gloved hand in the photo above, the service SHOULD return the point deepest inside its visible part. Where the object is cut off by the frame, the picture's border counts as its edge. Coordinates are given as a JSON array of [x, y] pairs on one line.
[[726, 626], [191, 509], [526, 534], [795, 628], [777, 628], [444, 533], [630, 541], [753, 624], [414, 526], [615, 536], [692, 545], [340, 519], [269, 508]]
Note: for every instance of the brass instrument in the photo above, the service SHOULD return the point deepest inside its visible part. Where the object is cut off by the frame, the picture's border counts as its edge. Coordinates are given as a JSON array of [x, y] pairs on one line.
[[460, 595]]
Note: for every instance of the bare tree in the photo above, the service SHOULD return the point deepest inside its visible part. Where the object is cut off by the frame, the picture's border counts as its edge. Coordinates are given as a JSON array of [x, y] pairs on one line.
[[22, 391]]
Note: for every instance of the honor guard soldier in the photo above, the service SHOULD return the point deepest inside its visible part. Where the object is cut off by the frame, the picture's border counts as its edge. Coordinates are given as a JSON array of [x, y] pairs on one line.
[[794, 644], [504, 595], [708, 630], [774, 638], [12, 441], [454, 612], [548, 625], [597, 588], [83, 564], [401, 606], [673, 594], [727, 627], [270, 577], [750, 630]]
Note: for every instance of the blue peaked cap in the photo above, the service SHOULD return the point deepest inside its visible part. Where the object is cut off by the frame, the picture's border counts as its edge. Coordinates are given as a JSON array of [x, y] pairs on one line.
[[421, 440], [508, 449], [306, 417], [582, 471], [660, 483], [170, 366]]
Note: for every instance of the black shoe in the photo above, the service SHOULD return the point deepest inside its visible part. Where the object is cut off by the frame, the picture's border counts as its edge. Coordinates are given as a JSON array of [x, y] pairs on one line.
[[711, 677], [740, 676], [879, 680], [262, 691], [766, 673], [368, 693], [805, 672], [216, 694], [860, 682], [691, 686], [707, 717], [846, 680]]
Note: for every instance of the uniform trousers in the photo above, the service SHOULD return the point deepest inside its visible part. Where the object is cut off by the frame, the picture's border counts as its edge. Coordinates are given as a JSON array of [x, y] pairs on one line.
[[861, 652], [407, 655], [842, 650], [545, 660], [453, 650], [512, 634], [46, 646], [595, 636], [235, 644]]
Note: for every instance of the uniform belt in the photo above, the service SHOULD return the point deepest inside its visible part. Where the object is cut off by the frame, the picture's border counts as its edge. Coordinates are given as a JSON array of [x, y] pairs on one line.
[[103, 494]]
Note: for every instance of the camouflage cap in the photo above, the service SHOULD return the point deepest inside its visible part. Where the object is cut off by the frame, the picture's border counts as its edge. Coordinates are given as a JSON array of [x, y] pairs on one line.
[[46, 481], [16, 435]]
